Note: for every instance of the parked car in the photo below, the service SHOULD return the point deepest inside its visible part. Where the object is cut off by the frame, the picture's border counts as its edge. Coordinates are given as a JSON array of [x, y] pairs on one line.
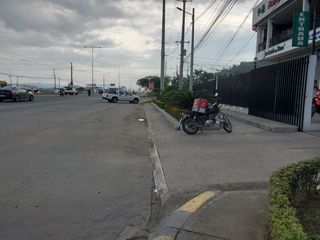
[[16, 94]]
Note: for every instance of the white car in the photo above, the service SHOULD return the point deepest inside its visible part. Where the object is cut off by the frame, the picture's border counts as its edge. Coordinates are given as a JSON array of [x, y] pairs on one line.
[[120, 95]]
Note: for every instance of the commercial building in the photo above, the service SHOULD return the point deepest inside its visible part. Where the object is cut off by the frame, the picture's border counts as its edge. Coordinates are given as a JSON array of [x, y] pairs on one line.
[[273, 21], [290, 30]]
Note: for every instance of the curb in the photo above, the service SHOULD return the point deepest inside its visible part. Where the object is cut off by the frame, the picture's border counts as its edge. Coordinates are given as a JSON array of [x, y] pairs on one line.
[[280, 128], [169, 226], [172, 120], [161, 187]]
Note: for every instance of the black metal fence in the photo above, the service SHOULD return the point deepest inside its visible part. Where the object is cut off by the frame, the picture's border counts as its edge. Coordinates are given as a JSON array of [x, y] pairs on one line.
[[235, 90], [278, 91], [274, 92]]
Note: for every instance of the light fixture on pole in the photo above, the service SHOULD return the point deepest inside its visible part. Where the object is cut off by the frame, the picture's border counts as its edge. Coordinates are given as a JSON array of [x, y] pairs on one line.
[[192, 48], [92, 47]]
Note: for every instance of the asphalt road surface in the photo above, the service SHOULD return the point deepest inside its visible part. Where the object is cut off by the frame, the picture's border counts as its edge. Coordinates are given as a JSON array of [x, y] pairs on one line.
[[72, 167]]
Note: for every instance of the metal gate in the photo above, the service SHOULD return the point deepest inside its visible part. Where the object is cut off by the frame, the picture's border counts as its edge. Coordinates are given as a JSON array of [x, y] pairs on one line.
[[277, 92]]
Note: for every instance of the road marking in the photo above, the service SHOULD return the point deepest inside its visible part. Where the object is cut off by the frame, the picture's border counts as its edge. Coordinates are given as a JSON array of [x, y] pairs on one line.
[[164, 238], [192, 205]]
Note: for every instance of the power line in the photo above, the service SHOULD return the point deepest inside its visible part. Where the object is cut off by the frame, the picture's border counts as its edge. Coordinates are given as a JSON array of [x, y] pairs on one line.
[[21, 76], [236, 33], [240, 49], [204, 12], [223, 12]]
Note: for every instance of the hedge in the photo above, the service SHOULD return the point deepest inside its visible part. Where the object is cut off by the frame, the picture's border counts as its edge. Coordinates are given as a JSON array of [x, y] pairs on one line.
[[172, 110], [288, 186]]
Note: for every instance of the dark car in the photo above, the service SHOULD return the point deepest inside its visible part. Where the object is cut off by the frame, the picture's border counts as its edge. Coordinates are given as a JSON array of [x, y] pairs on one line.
[[16, 94]]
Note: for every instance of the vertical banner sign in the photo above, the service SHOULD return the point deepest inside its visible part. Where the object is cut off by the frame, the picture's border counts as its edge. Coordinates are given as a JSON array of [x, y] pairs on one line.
[[301, 28]]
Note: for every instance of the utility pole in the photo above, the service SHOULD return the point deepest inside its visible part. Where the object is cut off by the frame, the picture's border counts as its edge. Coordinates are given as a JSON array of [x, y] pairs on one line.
[[71, 82], [10, 79], [103, 85], [119, 76], [182, 52], [315, 6], [92, 47], [192, 53], [17, 81], [54, 79], [163, 52], [59, 83]]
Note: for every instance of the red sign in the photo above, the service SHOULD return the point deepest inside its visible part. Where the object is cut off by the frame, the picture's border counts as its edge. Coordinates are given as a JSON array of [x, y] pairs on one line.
[[271, 3], [151, 86]]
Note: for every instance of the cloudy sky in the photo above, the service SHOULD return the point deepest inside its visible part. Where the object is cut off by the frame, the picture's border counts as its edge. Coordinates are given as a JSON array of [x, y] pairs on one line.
[[38, 36]]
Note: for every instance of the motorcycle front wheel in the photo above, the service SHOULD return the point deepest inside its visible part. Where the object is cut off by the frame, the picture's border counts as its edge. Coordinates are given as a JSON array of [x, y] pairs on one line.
[[226, 124], [188, 126]]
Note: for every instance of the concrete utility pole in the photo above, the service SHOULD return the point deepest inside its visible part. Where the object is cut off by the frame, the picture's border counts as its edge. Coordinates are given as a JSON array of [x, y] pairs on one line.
[[192, 53], [182, 52], [71, 82], [92, 47], [54, 79], [163, 52]]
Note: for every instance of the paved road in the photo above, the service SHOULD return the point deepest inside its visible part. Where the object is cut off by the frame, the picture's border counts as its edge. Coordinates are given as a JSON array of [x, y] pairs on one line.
[[72, 167]]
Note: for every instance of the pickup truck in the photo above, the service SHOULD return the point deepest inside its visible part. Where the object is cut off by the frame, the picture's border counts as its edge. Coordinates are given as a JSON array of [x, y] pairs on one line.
[[70, 91], [120, 95]]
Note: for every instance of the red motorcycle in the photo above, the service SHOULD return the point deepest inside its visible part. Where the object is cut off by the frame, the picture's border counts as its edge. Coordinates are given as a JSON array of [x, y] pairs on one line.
[[316, 104]]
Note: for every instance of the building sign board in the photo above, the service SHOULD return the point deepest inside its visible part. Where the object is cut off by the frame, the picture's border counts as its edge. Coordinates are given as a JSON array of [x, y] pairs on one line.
[[285, 47], [265, 8], [300, 31]]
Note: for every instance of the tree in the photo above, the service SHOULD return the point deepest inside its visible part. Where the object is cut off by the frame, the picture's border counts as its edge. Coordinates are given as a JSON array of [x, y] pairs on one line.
[[3, 83], [144, 82]]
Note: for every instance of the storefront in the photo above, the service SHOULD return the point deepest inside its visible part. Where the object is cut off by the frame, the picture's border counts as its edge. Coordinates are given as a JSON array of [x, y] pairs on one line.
[[275, 24]]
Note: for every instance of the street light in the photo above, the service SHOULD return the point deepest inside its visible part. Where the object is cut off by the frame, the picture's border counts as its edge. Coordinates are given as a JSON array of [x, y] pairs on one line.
[[92, 47], [192, 48]]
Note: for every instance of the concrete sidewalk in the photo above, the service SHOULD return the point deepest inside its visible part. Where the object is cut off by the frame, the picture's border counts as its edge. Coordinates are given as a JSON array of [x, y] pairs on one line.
[[235, 167]]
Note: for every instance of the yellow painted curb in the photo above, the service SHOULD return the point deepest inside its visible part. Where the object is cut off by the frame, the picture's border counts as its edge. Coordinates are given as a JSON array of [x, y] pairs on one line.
[[192, 205], [164, 238]]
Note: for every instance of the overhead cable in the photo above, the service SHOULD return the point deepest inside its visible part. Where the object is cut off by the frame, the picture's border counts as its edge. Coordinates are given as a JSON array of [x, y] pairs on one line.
[[236, 33]]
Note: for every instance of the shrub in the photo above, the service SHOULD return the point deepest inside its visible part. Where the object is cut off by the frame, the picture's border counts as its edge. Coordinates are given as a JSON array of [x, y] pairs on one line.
[[174, 111], [159, 103], [181, 98], [288, 186]]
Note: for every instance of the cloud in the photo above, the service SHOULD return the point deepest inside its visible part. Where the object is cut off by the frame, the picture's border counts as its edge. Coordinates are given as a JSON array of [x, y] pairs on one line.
[[39, 35]]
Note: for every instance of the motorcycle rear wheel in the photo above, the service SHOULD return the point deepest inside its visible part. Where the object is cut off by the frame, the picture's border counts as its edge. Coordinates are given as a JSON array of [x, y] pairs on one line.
[[188, 126], [227, 126]]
